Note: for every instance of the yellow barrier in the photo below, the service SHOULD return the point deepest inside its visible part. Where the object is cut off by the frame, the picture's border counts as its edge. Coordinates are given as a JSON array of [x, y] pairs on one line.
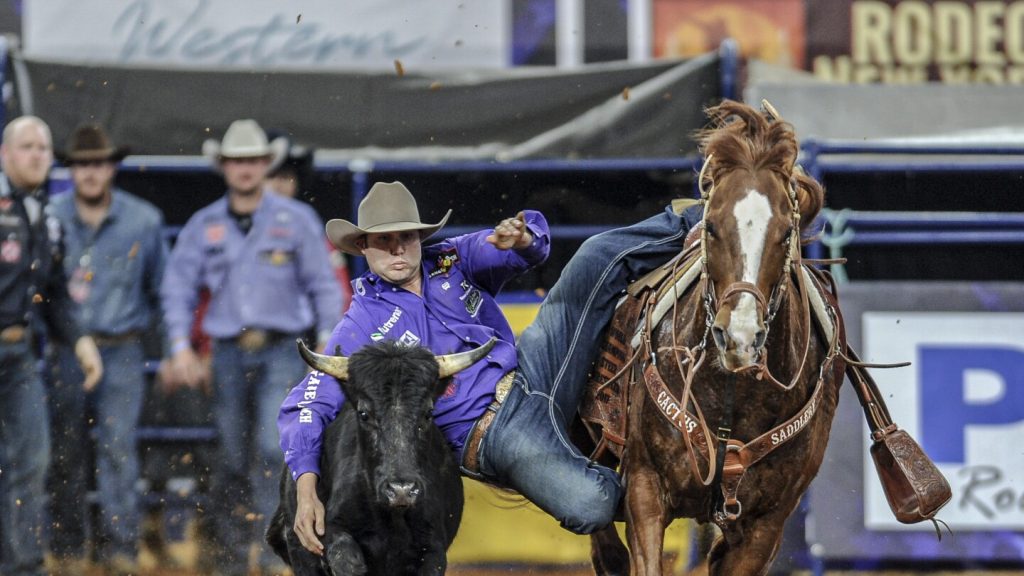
[[498, 528]]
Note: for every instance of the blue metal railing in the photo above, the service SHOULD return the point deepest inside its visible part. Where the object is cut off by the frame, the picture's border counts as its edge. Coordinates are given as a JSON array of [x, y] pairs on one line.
[[842, 228]]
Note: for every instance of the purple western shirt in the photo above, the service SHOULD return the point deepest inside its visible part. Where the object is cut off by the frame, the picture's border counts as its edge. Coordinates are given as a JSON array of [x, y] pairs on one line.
[[456, 313]]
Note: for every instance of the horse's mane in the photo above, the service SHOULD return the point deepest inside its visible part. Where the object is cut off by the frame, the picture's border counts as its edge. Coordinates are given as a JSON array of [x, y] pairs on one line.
[[741, 138]]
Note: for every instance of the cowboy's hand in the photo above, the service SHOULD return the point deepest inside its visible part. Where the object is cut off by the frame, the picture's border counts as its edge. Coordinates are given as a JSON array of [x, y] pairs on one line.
[[89, 359], [309, 514], [188, 369], [511, 233]]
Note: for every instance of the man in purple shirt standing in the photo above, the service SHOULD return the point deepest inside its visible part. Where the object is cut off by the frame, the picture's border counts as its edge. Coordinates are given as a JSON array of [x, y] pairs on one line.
[[263, 260], [506, 418]]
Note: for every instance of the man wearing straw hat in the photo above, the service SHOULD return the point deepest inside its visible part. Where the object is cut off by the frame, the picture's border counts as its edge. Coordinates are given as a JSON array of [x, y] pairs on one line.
[[114, 260], [263, 260]]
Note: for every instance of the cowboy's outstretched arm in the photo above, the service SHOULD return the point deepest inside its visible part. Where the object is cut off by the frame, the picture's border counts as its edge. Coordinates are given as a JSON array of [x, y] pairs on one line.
[[511, 233]]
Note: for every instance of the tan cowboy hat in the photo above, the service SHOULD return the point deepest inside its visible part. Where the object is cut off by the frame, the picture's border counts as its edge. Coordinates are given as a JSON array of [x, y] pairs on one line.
[[388, 207], [90, 143], [245, 139]]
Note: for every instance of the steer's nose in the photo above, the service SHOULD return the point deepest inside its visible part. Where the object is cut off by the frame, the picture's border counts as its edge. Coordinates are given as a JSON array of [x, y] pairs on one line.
[[401, 494]]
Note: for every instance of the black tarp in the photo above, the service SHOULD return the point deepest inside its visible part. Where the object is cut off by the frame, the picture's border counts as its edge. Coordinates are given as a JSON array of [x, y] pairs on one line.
[[616, 110]]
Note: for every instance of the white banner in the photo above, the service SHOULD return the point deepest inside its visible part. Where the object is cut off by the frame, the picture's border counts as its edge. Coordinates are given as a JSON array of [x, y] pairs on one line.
[[963, 400], [271, 34]]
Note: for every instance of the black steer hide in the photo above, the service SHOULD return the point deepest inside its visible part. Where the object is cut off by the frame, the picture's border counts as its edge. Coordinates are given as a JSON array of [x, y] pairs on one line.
[[389, 483]]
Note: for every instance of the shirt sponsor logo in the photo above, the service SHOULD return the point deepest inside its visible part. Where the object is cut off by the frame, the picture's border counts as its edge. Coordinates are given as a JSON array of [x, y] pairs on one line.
[[471, 298], [387, 326], [360, 289], [409, 339], [312, 384], [445, 261]]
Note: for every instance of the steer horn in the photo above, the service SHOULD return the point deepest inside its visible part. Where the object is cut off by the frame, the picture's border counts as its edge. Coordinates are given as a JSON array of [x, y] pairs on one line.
[[453, 363], [337, 366]]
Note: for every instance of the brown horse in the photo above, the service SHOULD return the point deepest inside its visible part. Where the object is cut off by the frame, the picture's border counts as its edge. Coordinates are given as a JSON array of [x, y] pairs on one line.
[[733, 392]]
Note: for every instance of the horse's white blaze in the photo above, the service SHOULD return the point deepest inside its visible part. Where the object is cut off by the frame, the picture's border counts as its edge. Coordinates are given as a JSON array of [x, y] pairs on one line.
[[752, 216]]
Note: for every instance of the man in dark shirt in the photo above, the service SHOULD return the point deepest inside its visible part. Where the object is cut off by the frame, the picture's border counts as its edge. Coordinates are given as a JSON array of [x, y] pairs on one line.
[[32, 281]]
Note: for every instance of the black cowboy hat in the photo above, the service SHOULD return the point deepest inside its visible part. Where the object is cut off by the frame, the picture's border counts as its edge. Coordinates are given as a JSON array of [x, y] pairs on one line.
[[90, 143]]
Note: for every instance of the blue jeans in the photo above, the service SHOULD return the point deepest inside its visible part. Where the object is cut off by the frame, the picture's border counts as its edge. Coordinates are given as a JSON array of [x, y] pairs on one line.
[[527, 447], [24, 455], [69, 463], [249, 389], [118, 404]]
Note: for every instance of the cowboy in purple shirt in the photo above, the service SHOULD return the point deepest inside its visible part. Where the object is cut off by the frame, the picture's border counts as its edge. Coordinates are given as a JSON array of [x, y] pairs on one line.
[[506, 418]]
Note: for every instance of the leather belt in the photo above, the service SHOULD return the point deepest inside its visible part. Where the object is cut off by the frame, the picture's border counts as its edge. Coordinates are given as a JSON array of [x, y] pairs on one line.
[[14, 334], [256, 339], [471, 453], [117, 339]]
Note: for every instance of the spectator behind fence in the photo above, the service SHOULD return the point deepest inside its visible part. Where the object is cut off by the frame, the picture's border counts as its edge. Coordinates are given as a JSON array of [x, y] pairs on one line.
[[32, 283], [263, 260], [291, 180], [114, 260]]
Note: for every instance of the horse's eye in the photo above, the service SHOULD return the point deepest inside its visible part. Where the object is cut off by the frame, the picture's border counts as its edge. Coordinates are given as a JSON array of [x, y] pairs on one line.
[[364, 415], [710, 229], [428, 415]]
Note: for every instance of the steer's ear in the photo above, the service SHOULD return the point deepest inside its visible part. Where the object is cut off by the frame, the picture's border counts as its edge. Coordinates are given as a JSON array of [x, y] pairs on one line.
[[451, 364]]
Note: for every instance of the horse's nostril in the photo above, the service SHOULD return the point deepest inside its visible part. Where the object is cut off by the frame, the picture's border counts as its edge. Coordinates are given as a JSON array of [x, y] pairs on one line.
[[759, 338], [719, 335]]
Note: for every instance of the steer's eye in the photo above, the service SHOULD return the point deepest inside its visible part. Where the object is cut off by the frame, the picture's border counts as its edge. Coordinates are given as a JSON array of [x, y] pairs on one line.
[[428, 415], [364, 416]]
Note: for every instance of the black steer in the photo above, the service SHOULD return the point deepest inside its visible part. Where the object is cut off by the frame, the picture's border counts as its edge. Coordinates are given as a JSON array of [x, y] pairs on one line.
[[389, 482]]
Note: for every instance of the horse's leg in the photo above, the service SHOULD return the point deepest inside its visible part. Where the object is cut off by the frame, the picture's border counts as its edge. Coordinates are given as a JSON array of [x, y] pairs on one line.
[[608, 554], [750, 554], [645, 522]]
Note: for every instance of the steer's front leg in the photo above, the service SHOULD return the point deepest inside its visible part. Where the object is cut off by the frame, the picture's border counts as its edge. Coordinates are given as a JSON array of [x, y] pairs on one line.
[[342, 554], [435, 560]]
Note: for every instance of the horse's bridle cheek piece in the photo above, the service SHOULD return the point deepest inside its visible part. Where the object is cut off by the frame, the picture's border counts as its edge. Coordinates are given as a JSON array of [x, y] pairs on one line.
[[768, 310]]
